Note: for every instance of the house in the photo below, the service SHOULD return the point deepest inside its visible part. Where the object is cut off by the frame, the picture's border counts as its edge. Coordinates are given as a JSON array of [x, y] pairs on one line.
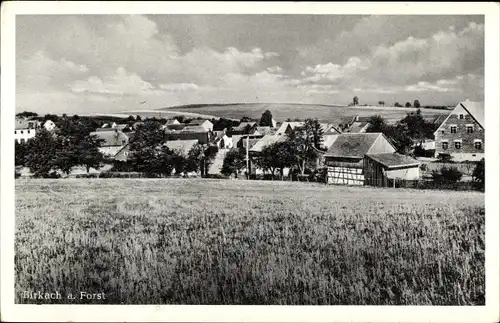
[[358, 127], [255, 149], [49, 125], [380, 167], [181, 146], [461, 134], [221, 139], [113, 141], [286, 127], [345, 157], [206, 124], [24, 130], [172, 122], [263, 130], [120, 127], [189, 133], [174, 126], [244, 128]]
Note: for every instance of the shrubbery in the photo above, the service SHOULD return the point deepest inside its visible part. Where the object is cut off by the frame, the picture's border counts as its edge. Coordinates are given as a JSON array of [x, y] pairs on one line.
[[447, 175]]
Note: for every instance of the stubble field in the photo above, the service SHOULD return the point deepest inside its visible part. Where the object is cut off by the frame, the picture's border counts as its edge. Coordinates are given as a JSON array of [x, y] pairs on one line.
[[177, 241]]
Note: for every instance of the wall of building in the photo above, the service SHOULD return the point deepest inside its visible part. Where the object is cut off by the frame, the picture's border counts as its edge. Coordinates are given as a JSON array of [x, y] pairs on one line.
[[406, 173], [23, 135], [380, 146], [467, 150]]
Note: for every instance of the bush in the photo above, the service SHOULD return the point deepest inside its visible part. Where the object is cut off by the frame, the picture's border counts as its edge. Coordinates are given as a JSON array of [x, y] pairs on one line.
[[478, 175], [445, 158], [446, 175]]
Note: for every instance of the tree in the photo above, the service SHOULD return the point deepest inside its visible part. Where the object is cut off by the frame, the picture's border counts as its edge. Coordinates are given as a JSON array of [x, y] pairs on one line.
[[234, 161], [376, 124], [478, 174], [20, 151], [355, 100], [88, 152], [314, 132], [130, 119], [245, 119], [397, 104], [302, 145], [381, 102], [27, 114], [416, 104], [195, 159], [276, 156], [408, 104], [266, 119], [146, 147], [40, 152], [138, 118]]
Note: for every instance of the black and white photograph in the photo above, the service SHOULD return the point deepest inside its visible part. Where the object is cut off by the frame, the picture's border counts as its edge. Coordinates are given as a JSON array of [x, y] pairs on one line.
[[287, 159]]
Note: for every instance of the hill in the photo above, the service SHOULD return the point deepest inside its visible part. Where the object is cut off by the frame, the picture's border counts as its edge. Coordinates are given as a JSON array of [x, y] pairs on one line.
[[282, 111]]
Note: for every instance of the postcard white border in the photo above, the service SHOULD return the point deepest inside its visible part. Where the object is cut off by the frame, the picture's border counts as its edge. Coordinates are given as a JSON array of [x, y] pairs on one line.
[[183, 313]]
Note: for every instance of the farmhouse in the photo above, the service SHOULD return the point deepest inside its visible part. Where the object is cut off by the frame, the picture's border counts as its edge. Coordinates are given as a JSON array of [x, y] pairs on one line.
[[189, 133], [221, 139], [205, 124], [244, 128], [351, 156], [114, 141], [461, 134], [25, 130], [287, 127]]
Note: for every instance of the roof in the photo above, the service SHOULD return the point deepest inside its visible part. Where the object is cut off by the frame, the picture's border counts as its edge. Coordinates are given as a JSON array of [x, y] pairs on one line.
[[176, 126], [243, 125], [394, 160], [352, 144], [172, 121], [475, 109], [111, 138], [282, 129], [264, 130], [25, 124], [198, 122], [357, 126], [182, 146], [328, 140], [194, 129], [266, 141]]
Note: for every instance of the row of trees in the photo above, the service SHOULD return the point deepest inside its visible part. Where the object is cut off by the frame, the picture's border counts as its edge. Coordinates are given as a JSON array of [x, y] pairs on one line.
[[69, 146], [416, 103], [297, 151], [402, 134], [149, 154]]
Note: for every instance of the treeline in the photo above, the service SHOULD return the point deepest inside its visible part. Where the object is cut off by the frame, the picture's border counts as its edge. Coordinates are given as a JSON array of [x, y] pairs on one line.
[[411, 128], [68, 146], [298, 151], [148, 154]]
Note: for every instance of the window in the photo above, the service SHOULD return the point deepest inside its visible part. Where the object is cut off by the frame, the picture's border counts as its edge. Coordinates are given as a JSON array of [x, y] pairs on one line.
[[470, 129], [15, 132], [453, 129], [458, 144], [442, 131], [478, 145], [22, 132], [444, 145], [28, 131], [461, 116]]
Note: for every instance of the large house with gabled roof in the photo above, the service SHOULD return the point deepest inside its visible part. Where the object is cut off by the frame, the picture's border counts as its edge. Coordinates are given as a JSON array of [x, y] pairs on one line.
[[461, 134]]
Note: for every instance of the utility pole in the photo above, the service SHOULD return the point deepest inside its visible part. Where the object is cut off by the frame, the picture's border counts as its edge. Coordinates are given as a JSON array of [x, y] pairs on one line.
[[248, 161]]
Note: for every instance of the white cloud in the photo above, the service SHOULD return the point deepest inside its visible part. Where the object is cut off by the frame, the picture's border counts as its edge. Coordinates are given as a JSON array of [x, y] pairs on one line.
[[121, 83]]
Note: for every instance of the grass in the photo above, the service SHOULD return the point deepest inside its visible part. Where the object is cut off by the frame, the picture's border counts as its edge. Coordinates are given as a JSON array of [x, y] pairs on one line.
[[282, 111], [177, 241]]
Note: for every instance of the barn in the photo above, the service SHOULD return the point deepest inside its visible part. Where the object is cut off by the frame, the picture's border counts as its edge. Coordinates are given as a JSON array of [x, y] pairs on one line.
[[345, 157], [380, 167]]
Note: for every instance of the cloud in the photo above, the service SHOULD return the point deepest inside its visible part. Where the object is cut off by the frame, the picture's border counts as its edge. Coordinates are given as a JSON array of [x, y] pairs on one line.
[[121, 83]]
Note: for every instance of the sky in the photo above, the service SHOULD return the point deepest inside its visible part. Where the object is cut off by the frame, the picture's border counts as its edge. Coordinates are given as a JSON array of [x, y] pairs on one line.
[[109, 63]]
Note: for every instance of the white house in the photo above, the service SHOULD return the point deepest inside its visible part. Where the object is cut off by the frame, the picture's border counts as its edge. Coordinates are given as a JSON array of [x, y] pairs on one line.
[[206, 124], [49, 125], [24, 130]]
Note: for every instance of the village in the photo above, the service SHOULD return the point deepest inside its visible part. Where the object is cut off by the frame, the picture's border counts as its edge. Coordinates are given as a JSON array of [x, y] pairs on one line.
[[353, 151]]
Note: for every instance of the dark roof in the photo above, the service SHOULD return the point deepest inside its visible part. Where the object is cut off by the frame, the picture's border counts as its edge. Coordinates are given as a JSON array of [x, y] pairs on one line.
[[182, 146], [265, 141], [111, 138], [352, 145], [394, 160], [25, 124], [357, 126]]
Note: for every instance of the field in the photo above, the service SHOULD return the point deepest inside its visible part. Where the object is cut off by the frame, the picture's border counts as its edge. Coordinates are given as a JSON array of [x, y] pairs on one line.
[[281, 111], [180, 241]]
